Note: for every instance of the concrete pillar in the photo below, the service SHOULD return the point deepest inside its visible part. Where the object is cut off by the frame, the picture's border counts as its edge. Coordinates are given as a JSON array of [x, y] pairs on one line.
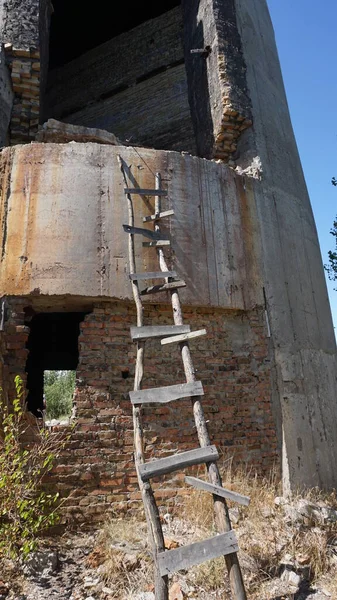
[[292, 270]]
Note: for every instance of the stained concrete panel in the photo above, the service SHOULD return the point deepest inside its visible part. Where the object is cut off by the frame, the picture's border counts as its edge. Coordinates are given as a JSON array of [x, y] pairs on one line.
[[64, 207]]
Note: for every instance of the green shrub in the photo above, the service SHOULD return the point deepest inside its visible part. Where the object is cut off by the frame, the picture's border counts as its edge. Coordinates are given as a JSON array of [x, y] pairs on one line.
[[59, 389], [26, 509]]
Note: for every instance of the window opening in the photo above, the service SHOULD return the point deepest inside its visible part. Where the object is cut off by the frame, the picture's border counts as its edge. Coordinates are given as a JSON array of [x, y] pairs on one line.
[[58, 388], [53, 346]]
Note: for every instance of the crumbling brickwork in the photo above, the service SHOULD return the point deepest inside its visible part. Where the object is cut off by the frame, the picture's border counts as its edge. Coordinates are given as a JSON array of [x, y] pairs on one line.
[[24, 68], [25, 34], [233, 363], [97, 467], [13, 340]]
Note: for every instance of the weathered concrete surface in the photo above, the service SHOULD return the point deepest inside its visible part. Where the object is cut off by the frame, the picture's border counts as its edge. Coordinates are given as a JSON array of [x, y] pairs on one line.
[[299, 313], [60, 133], [6, 98], [62, 212], [21, 22], [134, 85], [1, 19]]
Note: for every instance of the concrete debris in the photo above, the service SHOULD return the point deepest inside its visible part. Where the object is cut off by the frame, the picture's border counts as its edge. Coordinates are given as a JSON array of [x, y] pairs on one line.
[[308, 513], [292, 578], [176, 592], [40, 564], [4, 589], [130, 562], [59, 133], [280, 501], [253, 170], [170, 543], [234, 514]]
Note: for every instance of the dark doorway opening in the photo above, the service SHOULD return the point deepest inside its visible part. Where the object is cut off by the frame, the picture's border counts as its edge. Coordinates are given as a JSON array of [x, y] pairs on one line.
[[75, 29], [52, 345]]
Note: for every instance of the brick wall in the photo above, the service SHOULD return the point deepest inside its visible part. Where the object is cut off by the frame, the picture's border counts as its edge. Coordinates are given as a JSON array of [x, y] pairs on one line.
[[13, 344], [26, 38], [133, 85], [233, 363]]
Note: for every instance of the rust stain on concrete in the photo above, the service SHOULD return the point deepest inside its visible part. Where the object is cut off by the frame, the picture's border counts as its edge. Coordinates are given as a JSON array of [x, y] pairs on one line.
[[251, 239], [66, 208]]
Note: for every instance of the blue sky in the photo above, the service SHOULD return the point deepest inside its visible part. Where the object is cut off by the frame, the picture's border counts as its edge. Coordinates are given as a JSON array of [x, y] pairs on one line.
[[306, 35]]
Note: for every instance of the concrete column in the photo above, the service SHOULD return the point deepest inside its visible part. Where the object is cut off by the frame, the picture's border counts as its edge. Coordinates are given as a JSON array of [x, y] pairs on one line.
[[292, 270]]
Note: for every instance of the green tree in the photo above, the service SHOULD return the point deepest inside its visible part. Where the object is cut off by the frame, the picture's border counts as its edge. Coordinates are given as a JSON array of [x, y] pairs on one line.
[[331, 268], [59, 389]]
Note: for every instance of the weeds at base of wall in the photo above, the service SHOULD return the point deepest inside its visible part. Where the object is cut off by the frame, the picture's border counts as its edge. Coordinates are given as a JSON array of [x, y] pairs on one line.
[[26, 508]]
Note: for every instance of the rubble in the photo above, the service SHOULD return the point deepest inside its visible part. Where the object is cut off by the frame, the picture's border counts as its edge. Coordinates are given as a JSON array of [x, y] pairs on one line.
[[59, 133], [117, 564]]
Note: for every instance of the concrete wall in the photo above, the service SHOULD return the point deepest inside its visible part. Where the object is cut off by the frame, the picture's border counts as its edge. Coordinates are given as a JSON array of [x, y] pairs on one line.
[[134, 86], [297, 301], [62, 213], [1, 19]]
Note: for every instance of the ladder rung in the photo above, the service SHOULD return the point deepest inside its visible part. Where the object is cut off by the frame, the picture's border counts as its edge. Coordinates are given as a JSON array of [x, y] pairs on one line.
[[217, 490], [155, 331], [156, 244], [177, 462], [162, 395], [153, 235], [184, 337], [145, 192], [156, 289], [152, 275], [175, 560], [160, 215]]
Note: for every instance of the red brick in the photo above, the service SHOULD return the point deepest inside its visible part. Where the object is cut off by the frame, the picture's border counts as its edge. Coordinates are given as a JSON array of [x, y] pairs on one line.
[[236, 401]]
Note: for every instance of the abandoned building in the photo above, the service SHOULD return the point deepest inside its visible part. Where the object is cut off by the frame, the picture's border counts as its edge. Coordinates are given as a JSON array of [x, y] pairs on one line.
[[192, 91]]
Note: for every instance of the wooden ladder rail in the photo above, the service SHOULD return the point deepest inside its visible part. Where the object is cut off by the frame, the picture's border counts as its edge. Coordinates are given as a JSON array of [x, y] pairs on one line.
[[149, 502], [222, 518], [221, 511]]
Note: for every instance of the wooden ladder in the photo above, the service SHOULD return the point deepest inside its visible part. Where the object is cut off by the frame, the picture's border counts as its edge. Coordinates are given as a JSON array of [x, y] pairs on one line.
[[224, 544]]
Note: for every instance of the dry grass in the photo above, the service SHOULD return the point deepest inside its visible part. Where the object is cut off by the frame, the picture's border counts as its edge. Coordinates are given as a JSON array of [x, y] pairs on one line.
[[123, 560], [267, 538]]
